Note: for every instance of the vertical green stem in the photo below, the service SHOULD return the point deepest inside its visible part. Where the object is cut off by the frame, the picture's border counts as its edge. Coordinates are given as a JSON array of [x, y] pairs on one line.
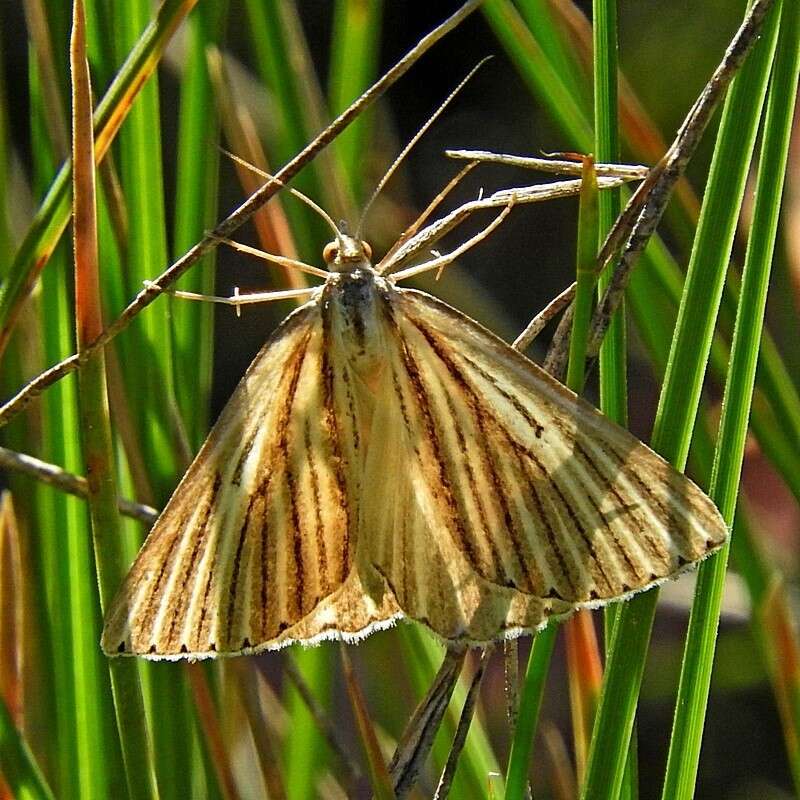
[[95, 421], [17, 764], [698, 658], [680, 399], [530, 703]]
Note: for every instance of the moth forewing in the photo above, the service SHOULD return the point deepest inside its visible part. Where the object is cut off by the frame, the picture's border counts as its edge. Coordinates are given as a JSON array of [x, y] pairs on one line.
[[386, 456]]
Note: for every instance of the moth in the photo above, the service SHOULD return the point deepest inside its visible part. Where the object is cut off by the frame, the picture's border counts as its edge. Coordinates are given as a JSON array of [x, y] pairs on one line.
[[383, 457]]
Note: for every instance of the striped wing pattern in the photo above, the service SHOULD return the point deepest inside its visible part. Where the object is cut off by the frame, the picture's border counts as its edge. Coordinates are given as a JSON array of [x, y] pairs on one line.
[[256, 545], [385, 456], [514, 499]]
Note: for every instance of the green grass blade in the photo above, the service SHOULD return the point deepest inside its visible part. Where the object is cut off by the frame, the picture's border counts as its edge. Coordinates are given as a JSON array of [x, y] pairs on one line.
[[53, 214], [354, 56], [588, 221], [538, 72], [95, 422], [613, 383], [17, 764], [87, 753], [698, 658], [530, 703], [149, 375], [273, 51], [612, 362], [681, 395], [540, 19], [613, 351], [307, 745], [195, 212]]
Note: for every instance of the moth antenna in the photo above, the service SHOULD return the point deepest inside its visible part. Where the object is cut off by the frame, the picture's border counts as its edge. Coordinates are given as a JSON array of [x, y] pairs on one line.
[[419, 134], [294, 192]]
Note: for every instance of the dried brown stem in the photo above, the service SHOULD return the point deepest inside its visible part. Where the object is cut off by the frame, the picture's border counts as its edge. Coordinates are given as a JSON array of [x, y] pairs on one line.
[[639, 219], [67, 482], [417, 739], [511, 682], [464, 721], [538, 323]]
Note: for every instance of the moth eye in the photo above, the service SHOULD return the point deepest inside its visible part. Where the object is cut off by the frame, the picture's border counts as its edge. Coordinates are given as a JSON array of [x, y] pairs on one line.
[[330, 252], [365, 246]]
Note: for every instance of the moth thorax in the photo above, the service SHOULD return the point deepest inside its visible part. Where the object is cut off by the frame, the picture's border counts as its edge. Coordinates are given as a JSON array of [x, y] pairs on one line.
[[356, 305]]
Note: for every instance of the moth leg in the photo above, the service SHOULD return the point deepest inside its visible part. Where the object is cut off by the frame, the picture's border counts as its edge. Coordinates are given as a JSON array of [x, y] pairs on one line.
[[414, 227], [237, 300], [440, 262], [271, 258]]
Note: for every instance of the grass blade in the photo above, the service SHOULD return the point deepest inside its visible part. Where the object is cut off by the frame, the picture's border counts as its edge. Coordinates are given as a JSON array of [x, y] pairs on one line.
[[680, 397], [354, 56], [698, 658], [52, 216], [20, 770], [530, 703], [95, 421]]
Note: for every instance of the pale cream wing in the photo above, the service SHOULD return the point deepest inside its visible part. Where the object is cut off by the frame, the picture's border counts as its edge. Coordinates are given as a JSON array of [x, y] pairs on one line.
[[514, 498], [254, 548]]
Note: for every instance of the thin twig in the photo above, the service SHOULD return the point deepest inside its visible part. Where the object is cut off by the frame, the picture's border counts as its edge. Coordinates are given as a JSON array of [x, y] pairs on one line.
[[521, 194], [67, 482], [225, 228], [417, 739], [511, 683], [646, 207], [464, 721], [412, 229], [555, 361], [538, 323], [633, 172]]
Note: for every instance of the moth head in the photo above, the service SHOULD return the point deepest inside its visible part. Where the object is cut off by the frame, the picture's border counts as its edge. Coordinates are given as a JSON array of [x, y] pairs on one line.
[[347, 254]]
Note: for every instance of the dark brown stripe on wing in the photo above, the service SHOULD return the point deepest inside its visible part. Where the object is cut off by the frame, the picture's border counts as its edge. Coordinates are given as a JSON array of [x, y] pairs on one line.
[[185, 581], [295, 531], [481, 413], [443, 491], [147, 616], [412, 439], [540, 513], [656, 551], [322, 558], [674, 524], [237, 562], [463, 450], [525, 413], [574, 518]]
